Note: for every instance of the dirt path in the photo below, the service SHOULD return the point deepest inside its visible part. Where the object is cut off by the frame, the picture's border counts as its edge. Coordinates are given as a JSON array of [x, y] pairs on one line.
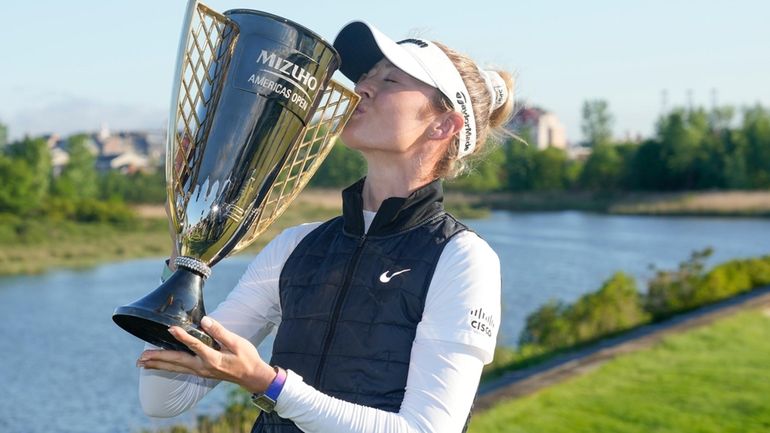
[[526, 381]]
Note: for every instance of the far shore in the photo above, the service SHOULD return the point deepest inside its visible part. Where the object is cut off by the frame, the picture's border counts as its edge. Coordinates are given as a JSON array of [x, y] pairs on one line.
[[77, 245], [687, 203]]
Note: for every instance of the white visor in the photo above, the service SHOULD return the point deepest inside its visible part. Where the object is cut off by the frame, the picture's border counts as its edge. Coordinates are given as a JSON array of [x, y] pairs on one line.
[[362, 45]]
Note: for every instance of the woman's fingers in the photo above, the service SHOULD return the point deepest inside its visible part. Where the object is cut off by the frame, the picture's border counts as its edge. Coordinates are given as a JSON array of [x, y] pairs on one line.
[[220, 333], [171, 360], [197, 346], [237, 362], [156, 364], [175, 356]]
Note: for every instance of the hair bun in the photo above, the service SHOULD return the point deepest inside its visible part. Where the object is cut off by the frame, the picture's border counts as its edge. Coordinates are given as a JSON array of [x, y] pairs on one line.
[[501, 110], [497, 88]]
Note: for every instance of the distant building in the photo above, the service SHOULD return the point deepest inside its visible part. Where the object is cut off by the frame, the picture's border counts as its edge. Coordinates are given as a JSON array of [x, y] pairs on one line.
[[53, 140], [148, 143], [126, 163], [543, 128], [59, 159], [126, 152]]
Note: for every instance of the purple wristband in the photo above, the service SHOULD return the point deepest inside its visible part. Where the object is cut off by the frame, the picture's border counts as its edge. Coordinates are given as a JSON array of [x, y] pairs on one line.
[[275, 387]]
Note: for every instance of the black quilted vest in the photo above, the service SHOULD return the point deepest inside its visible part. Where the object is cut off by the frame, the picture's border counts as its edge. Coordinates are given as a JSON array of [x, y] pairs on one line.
[[351, 301]]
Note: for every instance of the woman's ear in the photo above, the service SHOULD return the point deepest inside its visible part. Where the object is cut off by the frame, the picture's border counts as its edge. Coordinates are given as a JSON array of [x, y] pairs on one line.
[[446, 126]]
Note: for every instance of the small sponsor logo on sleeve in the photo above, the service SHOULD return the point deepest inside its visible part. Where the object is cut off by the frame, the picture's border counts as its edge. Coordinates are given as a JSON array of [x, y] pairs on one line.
[[482, 322]]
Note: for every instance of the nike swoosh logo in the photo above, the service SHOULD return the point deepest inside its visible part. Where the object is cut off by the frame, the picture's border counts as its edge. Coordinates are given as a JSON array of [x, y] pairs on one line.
[[384, 278]]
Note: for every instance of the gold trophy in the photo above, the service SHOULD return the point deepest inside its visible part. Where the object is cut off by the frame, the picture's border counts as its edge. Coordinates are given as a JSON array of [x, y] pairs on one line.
[[253, 114]]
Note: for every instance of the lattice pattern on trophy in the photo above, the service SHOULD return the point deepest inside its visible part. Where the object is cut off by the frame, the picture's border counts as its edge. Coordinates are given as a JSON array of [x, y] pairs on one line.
[[206, 56], [316, 142]]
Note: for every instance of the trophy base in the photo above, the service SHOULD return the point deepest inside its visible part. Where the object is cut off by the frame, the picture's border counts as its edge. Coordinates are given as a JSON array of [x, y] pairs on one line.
[[177, 302], [154, 329]]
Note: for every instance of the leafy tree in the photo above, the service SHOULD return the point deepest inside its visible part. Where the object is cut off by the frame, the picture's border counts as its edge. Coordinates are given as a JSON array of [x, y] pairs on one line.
[[673, 291], [33, 154], [597, 122], [720, 118], [627, 153], [113, 185], [3, 135], [133, 188], [18, 185], [603, 170], [547, 326], [488, 174], [735, 165], [550, 169], [78, 180], [341, 168], [755, 133], [647, 167], [520, 163], [681, 135], [616, 306]]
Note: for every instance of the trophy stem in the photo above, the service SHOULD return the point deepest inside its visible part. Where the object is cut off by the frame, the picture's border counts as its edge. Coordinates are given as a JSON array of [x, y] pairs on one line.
[[177, 302]]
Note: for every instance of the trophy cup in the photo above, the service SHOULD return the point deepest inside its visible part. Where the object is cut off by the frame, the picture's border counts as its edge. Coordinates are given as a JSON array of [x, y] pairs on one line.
[[253, 114]]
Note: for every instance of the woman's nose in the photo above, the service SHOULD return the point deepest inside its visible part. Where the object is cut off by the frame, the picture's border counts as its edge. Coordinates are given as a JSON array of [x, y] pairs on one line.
[[364, 89]]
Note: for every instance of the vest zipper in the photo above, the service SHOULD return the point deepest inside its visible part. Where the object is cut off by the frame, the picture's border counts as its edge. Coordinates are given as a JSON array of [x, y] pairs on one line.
[[337, 307]]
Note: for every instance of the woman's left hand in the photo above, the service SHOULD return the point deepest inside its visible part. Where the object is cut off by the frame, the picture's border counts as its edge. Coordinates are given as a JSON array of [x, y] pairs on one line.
[[238, 360]]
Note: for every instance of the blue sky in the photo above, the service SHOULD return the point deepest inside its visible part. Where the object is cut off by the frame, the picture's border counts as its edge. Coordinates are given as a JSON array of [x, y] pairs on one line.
[[68, 66]]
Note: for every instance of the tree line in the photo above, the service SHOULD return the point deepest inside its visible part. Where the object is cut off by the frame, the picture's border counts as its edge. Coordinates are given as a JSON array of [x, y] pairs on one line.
[[691, 149], [79, 192]]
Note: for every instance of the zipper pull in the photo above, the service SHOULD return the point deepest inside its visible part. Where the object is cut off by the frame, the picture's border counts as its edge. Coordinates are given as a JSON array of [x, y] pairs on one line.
[[362, 240]]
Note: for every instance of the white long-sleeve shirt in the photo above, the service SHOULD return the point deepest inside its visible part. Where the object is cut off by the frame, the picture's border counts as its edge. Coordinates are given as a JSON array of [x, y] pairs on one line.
[[455, 338]]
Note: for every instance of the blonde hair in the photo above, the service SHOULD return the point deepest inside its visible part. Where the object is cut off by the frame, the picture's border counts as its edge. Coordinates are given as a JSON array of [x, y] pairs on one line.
[[488, 125]]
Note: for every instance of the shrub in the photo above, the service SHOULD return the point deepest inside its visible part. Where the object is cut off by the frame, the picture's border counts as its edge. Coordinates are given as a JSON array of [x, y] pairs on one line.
[[732, 278], [760, 271], [615, 307], [90, 210], [547, 326], [669, 292]]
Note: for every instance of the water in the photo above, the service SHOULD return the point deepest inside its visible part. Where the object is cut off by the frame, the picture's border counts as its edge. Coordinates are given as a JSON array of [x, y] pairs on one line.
[[67, 368], [566, 254]]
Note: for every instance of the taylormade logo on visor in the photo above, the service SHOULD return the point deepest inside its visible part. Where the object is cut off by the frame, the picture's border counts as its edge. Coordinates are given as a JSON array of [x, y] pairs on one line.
[[463, 103], [288, 68]]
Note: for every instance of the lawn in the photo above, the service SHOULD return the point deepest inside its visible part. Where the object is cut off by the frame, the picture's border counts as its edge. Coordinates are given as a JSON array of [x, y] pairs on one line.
[[712, 379], [35, 246]]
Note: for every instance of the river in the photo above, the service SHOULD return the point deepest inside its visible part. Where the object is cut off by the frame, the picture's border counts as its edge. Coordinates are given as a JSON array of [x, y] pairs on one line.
[[67, 368]]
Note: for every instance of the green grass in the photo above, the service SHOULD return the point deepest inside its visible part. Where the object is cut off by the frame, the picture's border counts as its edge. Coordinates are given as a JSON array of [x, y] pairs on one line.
[[37, 245], [709, 380]]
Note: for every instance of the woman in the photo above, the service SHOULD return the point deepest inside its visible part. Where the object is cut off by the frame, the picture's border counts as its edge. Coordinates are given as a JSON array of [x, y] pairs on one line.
[[384, 316]]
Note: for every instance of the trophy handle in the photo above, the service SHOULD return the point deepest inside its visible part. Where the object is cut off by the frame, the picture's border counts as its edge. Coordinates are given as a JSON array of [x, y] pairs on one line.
[[201, 25], [314, 143]]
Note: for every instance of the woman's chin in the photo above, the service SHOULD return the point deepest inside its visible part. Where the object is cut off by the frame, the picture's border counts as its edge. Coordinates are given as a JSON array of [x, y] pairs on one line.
[[351, 137]]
